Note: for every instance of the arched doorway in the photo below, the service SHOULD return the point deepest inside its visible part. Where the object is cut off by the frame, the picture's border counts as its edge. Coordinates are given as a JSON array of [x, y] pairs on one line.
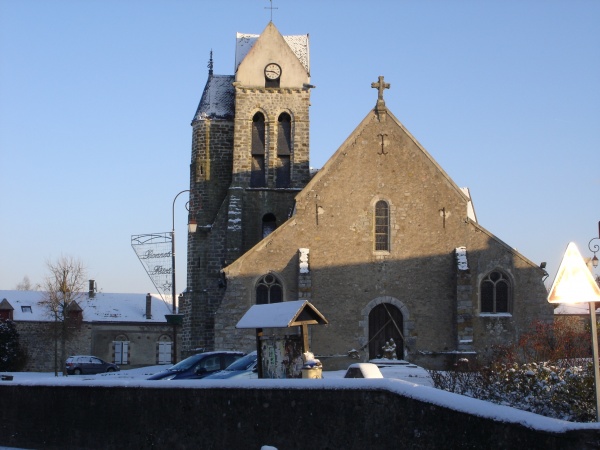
[[385, 323]]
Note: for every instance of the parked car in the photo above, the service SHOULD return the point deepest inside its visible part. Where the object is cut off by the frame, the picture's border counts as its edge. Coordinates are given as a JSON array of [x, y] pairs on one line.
[[80, 364], [243, 368], [198, 366], [363, 370]]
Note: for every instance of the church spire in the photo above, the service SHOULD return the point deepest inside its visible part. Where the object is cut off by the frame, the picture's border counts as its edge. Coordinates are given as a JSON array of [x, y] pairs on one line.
[[210, 64]]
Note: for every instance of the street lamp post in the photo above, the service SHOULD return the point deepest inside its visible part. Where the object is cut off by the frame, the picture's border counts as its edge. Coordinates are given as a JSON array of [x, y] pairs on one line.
[[594, 248], [191, 229]]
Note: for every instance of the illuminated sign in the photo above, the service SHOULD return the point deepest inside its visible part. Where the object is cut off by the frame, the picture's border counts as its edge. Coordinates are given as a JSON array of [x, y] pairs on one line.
[[574, 282]]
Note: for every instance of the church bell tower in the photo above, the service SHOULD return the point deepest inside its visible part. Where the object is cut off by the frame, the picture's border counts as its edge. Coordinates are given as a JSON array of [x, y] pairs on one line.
[[250, 157]]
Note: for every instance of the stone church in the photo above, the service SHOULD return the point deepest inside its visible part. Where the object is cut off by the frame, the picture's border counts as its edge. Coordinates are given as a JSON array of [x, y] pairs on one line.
[[380, 240]]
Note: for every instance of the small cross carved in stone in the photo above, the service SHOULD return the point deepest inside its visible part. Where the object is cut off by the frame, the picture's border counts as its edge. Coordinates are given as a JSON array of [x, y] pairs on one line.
[[380, 86], [382, 152]]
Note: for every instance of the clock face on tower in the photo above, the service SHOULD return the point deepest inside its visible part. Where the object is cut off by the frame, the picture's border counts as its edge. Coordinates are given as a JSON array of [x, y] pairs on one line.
[[272, 71]]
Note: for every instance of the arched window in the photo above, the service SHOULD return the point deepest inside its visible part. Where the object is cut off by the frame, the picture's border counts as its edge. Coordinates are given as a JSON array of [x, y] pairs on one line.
[[284, 150], [268, 290], [495, 293], [257, 176], [382, 226], [269, 223]]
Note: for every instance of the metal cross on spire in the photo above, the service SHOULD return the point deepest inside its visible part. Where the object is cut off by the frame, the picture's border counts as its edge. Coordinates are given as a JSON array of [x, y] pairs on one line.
[[271, 8]]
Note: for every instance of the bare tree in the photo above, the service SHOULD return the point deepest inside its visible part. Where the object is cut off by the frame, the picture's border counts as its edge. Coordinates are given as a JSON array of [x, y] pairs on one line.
[[64, 285], [24, 285]]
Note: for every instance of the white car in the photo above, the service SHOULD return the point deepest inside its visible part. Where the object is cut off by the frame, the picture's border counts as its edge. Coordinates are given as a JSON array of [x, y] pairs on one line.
[[363, 370]]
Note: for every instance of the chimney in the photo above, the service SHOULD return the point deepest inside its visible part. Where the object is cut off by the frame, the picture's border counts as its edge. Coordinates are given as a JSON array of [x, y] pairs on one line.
[[148, 306], [92, 289]]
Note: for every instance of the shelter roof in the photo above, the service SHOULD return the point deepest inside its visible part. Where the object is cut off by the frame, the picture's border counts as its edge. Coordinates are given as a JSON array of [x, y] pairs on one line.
[[281, 315]]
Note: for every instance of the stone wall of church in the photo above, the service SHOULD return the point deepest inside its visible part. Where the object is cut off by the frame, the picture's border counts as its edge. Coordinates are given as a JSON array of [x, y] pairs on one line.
[[271, 102], [257, 203], [428, 221], [210, 168]]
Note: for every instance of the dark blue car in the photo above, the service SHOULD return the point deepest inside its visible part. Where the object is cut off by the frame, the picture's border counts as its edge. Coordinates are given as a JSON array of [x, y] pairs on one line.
[[198, 366], [243, 368]]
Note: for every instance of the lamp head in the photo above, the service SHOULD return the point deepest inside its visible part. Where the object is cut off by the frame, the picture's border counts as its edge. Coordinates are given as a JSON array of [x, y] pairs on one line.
[[192, 226]]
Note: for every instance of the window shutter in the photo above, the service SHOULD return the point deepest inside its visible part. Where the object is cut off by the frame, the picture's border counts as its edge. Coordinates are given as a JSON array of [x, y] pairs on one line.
[[164, 353]]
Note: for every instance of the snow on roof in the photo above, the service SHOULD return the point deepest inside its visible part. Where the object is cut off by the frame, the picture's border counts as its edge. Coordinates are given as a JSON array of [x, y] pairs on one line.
[[278, 315], [470, 207], [101, 308], [298, 44], [217, 100]]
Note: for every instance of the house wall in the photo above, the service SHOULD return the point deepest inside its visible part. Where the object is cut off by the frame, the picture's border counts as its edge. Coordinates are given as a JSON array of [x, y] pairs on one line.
[[143, 342], [92, 339], [38, 340]]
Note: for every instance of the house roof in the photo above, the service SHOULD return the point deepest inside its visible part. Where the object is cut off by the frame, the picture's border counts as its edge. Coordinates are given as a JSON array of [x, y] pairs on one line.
[[101, 308]]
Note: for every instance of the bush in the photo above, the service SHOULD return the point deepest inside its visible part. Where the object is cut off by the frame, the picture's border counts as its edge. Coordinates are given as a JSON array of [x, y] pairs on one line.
[[561, 387], [12, 356]]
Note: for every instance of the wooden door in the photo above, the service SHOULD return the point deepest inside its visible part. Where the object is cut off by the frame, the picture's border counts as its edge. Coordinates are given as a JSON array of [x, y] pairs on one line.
[[385, 324]]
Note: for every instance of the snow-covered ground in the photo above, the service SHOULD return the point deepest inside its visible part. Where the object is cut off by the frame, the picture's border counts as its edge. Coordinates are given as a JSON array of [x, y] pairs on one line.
[[400, 370]]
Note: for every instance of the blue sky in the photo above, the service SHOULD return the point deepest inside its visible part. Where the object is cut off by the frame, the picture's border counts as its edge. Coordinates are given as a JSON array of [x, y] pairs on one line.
[[97, 96]]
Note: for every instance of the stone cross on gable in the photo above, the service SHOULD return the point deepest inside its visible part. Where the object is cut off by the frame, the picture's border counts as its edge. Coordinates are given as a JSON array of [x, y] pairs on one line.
[[380, 86]]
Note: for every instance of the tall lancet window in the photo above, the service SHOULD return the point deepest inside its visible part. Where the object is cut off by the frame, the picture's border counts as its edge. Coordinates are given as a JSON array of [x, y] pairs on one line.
[[257, 175], [284, 150], [382, 226], [269, 223]]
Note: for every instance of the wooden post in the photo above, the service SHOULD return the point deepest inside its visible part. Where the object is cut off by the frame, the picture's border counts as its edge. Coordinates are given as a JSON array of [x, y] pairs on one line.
[[259, 333], [595, 353], [304, 333]]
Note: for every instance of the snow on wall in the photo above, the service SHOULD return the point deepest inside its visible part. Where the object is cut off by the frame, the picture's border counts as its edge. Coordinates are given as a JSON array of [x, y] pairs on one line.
[[304, 260], [461, 258]]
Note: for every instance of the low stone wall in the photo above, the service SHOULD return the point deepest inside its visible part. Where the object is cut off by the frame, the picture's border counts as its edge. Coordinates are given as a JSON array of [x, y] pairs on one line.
[[305, 415]]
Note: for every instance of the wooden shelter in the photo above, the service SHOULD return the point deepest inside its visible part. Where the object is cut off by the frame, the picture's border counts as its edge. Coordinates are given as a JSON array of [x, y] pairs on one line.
[[299, 313]]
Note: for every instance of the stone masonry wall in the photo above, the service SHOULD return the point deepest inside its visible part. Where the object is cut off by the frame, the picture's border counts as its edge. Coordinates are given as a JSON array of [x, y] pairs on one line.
[[298, 417]]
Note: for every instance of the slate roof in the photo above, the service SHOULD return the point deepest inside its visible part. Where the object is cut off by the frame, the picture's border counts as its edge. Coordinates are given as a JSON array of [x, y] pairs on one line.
[[217, 100], [102, 308]]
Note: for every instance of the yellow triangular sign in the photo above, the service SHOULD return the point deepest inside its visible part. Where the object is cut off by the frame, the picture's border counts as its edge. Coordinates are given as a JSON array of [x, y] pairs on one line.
[[574, 282]]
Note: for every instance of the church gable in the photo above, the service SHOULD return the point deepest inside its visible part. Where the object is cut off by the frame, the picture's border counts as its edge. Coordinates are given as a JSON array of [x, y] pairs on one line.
[[271, 58], [381, 166]]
